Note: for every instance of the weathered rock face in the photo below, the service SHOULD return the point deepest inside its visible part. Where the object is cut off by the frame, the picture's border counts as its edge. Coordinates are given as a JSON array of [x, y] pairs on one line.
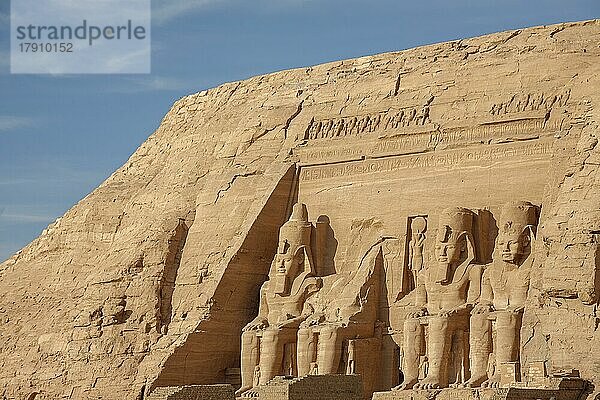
[[149, 280]]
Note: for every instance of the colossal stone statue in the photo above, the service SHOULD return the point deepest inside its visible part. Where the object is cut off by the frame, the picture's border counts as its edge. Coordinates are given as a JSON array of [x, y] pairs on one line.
[[344, 336], [269, 341], [443, 299], [504, 290], [352, 314]]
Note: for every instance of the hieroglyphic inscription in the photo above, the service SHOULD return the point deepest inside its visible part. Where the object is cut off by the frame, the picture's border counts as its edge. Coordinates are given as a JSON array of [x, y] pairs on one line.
[[357, 125], [340, 127], [422, 141], [463, 157], [333, 153], [530, 102], [479, 134]]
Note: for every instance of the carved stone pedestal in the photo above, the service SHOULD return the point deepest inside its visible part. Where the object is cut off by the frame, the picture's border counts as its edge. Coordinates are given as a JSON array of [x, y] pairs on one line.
[[193, 392], [311, 387], [564, 389]]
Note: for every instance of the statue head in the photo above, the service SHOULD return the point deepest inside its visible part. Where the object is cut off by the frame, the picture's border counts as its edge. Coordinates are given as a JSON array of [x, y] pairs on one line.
[[293, 249], [517, 226], [453, 242]]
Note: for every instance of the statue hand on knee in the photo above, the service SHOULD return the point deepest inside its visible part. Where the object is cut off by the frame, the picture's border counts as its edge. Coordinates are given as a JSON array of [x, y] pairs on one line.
[[313, 320], [417, 312], [258, 323], [482, 308], [448, 313], [516, 310]]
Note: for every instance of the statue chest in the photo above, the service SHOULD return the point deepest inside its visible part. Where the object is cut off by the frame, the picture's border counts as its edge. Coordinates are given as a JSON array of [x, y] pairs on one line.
[[509, 286]]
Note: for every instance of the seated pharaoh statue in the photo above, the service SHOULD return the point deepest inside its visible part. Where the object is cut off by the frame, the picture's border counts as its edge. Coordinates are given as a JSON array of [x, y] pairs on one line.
[[343, 336], [444, 297], [504, 290], [269, 341]]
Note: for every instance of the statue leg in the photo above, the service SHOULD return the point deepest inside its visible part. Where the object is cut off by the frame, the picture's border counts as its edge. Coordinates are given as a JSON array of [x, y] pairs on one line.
[[508, 327], [271, 355], [330, 350], [438, 354], [249, 360], [480, 343], [413, 338], [306, 350]]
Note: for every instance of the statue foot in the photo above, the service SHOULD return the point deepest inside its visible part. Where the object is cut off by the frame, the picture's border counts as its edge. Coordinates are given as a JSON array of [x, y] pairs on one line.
[[493, 382], [407, 384], [475, 381], [242, 390], [428, 384]]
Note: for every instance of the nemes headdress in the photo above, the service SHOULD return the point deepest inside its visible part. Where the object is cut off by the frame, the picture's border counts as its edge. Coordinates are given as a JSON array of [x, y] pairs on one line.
[[455, 223]]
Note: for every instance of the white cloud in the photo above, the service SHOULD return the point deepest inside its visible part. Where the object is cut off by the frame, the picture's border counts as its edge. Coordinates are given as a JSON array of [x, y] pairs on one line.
[[161, 83], [25, 218], [148, 83], [11, 122], [7, 182], [126, 62], [85, 178], [166, 10]]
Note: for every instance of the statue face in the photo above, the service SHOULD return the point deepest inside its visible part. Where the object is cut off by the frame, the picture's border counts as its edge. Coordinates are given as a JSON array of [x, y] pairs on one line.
[[448, 253], [287, 267], [513, 246], [283, 258], [282, 263]]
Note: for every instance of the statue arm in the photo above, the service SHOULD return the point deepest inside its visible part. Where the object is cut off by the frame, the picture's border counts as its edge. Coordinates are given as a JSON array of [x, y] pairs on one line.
[[474, 291], [311, 316], [456, 310], [310, 286], [263, 306], [486, 299], [487, 295], [293, 322], [261, 320]]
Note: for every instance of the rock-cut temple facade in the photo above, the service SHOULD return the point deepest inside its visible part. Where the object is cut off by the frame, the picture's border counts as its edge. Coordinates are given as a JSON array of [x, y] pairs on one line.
[[411, 225]]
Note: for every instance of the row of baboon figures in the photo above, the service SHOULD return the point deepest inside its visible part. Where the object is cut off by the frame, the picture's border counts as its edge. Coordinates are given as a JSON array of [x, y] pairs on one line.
[[464, 318]]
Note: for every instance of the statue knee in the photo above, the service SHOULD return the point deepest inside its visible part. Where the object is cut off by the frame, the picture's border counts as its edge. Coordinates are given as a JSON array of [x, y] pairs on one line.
[[329, 334], [248, 337], [411, 325], [270, 336], [438, 324], [304, 335], [479, 322], [508, 320]]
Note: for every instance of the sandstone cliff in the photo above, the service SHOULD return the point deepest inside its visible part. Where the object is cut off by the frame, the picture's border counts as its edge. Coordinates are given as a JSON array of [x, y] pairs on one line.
[[149, 279]]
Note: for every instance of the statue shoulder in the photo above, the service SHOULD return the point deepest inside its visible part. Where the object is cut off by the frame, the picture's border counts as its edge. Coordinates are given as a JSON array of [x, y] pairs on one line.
[[265, 286], [476, 270], [493, 268]]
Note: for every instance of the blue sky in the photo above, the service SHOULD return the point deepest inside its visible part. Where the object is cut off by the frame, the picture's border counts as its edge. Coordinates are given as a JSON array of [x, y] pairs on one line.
[[61, 136]]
